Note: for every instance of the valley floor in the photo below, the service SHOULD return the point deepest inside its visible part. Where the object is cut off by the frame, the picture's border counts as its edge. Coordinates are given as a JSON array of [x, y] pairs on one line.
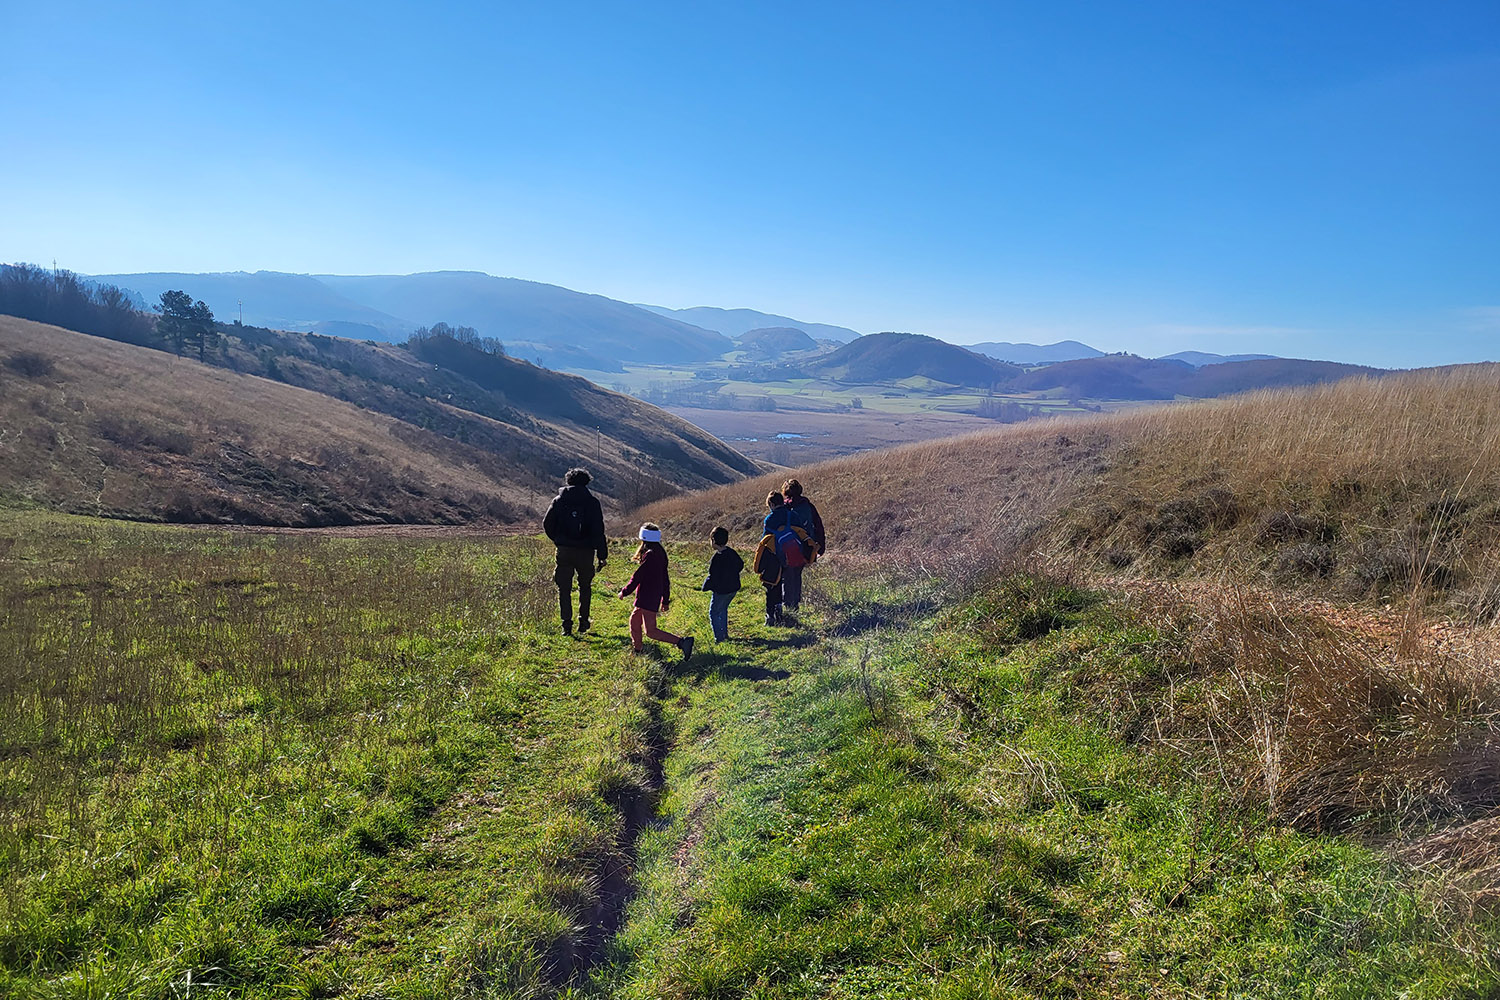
[[261, 765]]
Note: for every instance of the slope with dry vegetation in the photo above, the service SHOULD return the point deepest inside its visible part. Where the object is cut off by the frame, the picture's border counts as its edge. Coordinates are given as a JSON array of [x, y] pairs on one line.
[[1308, 580], [292, 429], [1362, 487]]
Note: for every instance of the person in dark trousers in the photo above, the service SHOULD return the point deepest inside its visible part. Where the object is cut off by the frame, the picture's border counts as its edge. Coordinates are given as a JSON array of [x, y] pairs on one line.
[[723, 582], [575, 524], [766, 562], [800, 514], [653, 594]]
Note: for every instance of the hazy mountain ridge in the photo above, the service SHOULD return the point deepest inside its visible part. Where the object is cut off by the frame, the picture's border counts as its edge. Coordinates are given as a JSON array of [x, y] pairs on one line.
[[273, 299], [1116, 376], [557, 326], [1200, 358], [737, 322], [1033, 354], [389, 307], [891, 357], [515, 309]]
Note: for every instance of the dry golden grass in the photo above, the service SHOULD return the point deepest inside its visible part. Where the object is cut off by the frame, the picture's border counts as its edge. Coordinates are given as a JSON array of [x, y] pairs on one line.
[[1364, 487], [119, 430], [1274, 510]]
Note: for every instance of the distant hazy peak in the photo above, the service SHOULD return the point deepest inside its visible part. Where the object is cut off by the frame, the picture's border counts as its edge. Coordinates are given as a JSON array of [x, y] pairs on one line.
[[1035, 354], [739, 321], [1200, 358]]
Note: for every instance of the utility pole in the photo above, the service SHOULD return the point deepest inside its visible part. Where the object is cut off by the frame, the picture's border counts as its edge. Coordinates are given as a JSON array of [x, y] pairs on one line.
[[242, 311]]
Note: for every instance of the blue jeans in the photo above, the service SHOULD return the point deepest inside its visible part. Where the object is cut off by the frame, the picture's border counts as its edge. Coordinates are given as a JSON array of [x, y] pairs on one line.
[[718, 615]]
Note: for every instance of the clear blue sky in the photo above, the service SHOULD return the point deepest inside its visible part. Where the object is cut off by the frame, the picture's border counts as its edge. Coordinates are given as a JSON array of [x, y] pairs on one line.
[[1307, 179]]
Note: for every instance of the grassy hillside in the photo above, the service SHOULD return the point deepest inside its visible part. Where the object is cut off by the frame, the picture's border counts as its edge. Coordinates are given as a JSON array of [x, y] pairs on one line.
[[774, 341], [1366, 486], [315, 430], [890, 357], [297, 766]]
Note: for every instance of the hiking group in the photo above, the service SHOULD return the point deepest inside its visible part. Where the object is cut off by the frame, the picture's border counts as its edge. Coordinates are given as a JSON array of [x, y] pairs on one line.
[[792, 538]]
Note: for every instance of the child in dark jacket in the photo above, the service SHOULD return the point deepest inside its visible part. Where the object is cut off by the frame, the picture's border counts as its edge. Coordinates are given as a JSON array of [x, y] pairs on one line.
[[723, 582], [653, 593]]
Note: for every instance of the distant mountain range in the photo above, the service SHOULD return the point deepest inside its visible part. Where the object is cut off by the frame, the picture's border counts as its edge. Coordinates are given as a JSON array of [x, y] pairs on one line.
[[736, 322], [1199, 358], [1072, 350], [891, 357], [552, 325], [1117, 376], [583, 329]]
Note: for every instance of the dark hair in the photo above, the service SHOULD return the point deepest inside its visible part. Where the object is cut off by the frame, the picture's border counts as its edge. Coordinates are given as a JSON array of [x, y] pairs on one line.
[[578, 477], [720, 536], [792, 489], [773, 500]]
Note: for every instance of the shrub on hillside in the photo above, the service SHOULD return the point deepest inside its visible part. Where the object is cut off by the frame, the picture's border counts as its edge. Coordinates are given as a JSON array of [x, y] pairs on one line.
[[130, 433], [30, 364]]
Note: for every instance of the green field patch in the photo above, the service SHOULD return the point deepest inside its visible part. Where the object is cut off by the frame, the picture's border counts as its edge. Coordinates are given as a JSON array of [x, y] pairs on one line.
[[272, 765]]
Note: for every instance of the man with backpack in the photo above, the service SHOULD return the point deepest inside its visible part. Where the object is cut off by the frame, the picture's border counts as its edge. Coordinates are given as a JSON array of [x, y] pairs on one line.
[[804, 514], [794, 548], [575, 524]]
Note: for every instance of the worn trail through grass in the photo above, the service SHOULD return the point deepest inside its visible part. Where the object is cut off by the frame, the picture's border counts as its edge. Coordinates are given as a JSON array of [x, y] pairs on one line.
[[429, 792]]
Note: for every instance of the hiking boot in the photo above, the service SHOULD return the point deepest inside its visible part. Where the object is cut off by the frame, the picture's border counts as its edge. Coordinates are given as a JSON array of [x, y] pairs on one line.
[[770, 620], [687, 648], [583, 626], [567, 628]]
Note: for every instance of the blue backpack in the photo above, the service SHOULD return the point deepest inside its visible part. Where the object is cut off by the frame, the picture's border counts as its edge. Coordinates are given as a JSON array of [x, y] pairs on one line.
[[791, 543]]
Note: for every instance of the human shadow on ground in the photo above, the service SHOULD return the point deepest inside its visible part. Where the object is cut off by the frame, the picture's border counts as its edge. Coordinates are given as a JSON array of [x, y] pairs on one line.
[[717, 660]]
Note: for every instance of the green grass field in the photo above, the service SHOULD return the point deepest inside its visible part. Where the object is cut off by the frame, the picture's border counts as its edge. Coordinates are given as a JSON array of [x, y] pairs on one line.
[[272, 766]]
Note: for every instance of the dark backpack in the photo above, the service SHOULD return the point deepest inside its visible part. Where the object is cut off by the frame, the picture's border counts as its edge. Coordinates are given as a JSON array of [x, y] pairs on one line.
[[573, 523], [574, 526]]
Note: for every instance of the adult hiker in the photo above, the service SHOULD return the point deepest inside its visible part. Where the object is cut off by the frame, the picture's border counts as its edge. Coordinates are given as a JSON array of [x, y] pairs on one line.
[[795, 544], [575, 524], [803, 515], [793, 548]]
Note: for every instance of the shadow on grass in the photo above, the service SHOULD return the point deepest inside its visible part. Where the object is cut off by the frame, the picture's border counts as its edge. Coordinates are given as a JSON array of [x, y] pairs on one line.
[[872, 615], [727, 666]]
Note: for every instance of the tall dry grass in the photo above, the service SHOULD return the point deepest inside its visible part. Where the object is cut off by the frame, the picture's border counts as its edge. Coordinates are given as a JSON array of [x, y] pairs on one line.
[[1387, 487], [1283, 512]]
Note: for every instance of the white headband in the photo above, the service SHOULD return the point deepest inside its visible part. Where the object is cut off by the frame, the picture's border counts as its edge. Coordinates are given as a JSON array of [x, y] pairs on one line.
[[650, 535]]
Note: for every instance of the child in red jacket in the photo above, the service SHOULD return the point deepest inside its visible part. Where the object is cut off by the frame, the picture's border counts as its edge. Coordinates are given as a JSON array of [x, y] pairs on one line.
[[653, 593]]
